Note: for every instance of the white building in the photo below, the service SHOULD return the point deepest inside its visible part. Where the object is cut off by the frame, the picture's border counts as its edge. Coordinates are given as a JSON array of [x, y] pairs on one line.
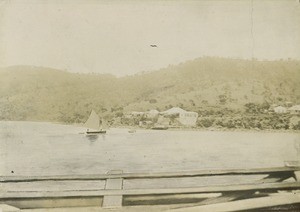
[[173, 110], [280, 109], [184, 117], [188, 118]]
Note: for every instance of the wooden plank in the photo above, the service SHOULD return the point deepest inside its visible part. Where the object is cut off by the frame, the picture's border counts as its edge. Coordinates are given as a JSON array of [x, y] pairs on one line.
[[8, 208], [200, 173], [297, 175], [231, 196], [243, 205], [276, 177], [295, 163], [178, 199], [32, 203], [113, 201], [173, 196], [134, 192]]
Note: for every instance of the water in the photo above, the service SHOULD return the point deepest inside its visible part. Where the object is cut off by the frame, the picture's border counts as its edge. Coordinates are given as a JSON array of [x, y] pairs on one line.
[[28, 148]]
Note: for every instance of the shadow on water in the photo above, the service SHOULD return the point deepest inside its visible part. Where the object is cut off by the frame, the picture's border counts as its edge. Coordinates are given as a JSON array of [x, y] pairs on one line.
[[93, 138]]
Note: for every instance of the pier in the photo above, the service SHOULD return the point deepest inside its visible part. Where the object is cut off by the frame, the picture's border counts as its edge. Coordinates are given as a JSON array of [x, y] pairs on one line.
[[277, 186]]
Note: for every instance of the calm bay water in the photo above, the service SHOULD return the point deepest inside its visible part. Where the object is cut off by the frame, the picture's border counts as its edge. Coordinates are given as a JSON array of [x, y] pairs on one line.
[[29, 148]]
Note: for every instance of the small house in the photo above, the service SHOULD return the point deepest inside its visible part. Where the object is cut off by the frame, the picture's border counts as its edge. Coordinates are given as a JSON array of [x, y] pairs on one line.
[[186, 118], [280, 109]]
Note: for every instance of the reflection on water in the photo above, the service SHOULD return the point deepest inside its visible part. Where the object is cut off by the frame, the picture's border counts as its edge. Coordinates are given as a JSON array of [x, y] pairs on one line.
[[30, 148], [93, 138]]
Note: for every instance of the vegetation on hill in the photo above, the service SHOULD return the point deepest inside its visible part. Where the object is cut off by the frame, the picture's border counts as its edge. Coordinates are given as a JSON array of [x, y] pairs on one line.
[[205, 85]]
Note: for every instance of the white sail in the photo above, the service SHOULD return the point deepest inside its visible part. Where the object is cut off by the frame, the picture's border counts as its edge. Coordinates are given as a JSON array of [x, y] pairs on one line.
[[93, 122]]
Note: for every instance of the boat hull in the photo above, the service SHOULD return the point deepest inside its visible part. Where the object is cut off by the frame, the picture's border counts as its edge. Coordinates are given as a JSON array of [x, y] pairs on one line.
[[96, 132], [159, 128]]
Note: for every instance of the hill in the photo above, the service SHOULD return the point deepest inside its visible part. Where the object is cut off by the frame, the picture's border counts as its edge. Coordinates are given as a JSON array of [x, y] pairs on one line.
[[44, 94]]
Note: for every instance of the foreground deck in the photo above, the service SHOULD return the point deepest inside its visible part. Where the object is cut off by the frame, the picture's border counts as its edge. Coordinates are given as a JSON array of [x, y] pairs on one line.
[[273, 187]]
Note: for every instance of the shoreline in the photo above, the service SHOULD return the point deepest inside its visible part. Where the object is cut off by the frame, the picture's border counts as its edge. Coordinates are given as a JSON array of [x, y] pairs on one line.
[[174, 128]]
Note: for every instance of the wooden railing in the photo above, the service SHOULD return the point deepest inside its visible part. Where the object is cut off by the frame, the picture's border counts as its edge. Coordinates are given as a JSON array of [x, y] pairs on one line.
[[113, 193], [120, 174]]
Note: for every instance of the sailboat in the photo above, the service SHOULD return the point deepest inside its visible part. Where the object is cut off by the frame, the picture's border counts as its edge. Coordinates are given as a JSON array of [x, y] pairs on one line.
[[93, 124]]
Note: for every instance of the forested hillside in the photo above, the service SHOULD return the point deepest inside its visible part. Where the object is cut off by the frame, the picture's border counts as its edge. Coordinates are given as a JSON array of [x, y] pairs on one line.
[[203, 84]]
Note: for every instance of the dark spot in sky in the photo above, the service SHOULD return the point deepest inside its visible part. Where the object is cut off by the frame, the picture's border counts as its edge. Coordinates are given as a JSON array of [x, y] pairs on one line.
[[153, 45], [12, 172]]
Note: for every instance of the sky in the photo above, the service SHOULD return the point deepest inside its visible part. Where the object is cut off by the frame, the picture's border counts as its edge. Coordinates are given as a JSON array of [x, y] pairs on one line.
[[116, 36]]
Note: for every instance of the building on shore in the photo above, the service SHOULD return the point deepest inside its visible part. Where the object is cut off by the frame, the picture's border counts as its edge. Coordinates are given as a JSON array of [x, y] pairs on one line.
[[280, 109], [175, 116], [186, 118]]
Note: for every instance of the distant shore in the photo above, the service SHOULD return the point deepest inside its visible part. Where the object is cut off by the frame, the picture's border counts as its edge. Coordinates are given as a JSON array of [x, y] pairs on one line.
[[230, 130], [198, 128], [173, 128]]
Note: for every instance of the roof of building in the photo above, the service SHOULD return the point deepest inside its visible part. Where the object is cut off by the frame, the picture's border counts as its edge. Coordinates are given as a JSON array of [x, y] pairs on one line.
[[174, 110], [279, 107]]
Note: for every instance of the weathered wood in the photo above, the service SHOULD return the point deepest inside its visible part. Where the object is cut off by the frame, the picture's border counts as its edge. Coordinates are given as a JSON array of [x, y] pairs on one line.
[[294, 163], [177, 198], [297, 175], [113, 195], [276, 177], [32, 203], [231, 196], [8, 208], [200, 173], [248, 204], [113, 201], [134, 192]]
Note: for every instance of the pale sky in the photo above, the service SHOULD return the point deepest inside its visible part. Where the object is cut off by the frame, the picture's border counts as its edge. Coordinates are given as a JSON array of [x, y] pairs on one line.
[[115, 36]]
